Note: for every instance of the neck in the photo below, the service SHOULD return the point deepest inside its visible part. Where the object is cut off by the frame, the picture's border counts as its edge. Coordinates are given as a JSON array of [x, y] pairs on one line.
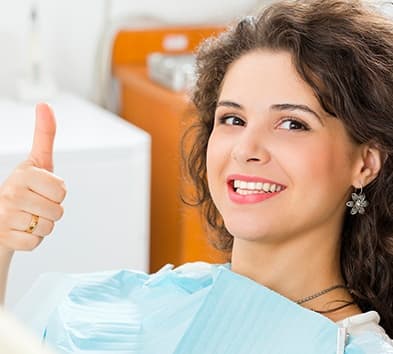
[[296, 268]]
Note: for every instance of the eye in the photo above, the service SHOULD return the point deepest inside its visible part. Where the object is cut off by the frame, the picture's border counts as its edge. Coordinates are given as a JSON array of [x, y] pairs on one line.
[[293, 124], [232, 120]]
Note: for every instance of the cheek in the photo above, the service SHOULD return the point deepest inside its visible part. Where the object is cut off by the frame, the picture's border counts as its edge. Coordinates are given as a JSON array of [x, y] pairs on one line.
[[210, 157], [332, 160], [325, 163], [319, 161], [212, 161], [217, 155]]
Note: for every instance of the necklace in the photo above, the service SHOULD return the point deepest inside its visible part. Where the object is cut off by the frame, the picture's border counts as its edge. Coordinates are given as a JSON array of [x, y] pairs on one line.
[[334, 308], [323, 292], [320, 293]]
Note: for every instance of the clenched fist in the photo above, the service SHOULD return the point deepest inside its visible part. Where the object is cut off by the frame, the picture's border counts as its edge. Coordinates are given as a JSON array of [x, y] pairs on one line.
[[31, 197]]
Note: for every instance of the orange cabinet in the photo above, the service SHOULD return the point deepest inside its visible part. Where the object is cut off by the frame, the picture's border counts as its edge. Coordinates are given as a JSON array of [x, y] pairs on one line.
[[177, 235]]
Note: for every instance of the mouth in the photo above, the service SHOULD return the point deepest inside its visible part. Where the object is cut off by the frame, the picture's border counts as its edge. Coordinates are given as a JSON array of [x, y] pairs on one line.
[[253, 185], [252, 189], [244, 188]]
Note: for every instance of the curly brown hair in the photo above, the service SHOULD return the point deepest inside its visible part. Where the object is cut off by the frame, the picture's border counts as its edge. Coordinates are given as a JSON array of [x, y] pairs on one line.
[[344, 51]]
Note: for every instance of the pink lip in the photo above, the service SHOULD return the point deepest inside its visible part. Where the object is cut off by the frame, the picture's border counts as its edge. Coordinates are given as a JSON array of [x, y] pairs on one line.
[[250, 198]]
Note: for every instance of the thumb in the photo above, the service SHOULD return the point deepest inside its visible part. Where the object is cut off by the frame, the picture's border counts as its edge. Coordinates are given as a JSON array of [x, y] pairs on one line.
[[41, 154]]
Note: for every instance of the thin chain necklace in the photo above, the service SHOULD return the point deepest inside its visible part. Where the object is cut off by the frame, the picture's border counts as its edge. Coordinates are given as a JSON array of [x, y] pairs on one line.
[[320, 293], [323, 292]]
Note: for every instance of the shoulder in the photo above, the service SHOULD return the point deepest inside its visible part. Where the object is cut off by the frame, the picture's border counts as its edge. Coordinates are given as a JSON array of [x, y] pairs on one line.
[[366, 336]]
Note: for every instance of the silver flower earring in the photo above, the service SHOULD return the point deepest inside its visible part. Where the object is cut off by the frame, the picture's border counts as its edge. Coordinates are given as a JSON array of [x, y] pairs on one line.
[[358, 203]]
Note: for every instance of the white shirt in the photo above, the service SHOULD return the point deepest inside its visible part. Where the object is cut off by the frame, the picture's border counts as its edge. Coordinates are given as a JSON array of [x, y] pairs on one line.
[[366, 331]]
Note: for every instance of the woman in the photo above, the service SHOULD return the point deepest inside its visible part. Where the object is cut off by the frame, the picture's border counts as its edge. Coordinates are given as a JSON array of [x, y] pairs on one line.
[[293, 165]]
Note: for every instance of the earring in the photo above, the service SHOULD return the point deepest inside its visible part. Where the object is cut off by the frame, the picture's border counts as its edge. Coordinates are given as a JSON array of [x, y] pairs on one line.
[[358, 203]]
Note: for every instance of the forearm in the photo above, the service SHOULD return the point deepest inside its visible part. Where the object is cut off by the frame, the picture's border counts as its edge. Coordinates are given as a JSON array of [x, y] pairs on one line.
[[5, 260]]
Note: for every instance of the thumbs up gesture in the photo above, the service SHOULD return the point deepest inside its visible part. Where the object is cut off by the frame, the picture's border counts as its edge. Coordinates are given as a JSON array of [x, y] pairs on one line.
[[31, 197]]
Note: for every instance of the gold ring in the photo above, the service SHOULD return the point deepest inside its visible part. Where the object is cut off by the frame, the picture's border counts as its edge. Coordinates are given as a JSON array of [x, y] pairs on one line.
[[33, 224]]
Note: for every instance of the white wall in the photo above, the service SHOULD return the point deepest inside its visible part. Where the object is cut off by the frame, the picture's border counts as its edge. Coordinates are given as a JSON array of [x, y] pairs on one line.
[[69, 33], [71, 30]]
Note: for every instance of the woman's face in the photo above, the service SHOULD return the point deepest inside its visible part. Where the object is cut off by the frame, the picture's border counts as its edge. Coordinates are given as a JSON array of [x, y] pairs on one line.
[[278, 166]]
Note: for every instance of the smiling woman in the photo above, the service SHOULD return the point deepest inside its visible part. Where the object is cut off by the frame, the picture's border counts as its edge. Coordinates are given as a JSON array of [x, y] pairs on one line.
[[270, 139], [292, 158], [299, 97]]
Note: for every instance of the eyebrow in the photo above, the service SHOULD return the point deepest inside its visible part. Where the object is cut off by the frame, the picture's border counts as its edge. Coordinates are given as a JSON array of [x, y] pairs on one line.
[[276, 107]]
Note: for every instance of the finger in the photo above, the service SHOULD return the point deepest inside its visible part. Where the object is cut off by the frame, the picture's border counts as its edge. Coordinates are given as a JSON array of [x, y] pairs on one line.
[[44, 227], [44, 135], [46, 184], [22, 220], [20, 241], [36, 204]]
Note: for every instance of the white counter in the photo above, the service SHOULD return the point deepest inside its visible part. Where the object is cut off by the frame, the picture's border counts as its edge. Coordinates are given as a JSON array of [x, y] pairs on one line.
[[105, 163]]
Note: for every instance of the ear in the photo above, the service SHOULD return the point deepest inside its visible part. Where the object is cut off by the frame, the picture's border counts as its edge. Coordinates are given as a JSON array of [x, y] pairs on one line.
[[370, 163]]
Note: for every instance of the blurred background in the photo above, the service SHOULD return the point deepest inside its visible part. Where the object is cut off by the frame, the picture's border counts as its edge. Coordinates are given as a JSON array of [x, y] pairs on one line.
[[73, 33], [116, 73]]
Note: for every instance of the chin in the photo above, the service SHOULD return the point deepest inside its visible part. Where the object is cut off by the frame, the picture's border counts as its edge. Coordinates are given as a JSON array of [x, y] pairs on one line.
[[247, 231]]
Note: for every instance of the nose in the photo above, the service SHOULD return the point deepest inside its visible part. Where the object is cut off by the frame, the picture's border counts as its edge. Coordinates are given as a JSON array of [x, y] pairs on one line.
[[250, 147]]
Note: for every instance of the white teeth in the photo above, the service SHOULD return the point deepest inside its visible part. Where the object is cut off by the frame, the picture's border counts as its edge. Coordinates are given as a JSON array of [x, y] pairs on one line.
[[246, 192], [243, 187], [266, 187]]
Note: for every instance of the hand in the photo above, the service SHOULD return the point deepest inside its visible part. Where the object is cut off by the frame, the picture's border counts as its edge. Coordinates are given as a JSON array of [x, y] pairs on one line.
[[32, 190]]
